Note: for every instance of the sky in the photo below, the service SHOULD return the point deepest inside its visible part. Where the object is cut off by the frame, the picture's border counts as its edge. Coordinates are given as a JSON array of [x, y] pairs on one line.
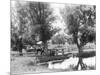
[[59, 22]]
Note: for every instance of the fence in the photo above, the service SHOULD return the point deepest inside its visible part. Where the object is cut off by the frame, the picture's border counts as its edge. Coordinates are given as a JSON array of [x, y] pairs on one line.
[[63, 55]]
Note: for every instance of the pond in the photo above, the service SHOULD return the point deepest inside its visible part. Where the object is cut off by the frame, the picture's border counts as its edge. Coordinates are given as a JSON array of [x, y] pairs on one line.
[[72, 62]]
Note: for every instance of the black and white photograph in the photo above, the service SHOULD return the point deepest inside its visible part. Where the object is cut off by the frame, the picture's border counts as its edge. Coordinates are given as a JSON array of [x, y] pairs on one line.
[[51, 37]]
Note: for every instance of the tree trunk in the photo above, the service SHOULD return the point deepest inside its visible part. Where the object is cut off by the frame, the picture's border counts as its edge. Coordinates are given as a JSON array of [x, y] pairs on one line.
[[80, 61], [79, 52], [19, 46], [21, 52]]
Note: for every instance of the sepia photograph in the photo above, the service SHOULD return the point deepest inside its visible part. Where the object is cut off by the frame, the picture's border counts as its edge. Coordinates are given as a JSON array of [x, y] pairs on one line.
[[51, 37]]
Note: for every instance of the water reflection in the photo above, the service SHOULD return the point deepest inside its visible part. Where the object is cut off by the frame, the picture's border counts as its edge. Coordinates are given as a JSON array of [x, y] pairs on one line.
[[66, 64]]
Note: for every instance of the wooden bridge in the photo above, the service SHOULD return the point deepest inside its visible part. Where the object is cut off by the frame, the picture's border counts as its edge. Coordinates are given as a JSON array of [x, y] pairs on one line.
[[60, 55]]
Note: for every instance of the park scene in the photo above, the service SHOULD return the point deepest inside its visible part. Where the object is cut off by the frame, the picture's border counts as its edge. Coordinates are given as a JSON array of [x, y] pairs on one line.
[[52, 37]]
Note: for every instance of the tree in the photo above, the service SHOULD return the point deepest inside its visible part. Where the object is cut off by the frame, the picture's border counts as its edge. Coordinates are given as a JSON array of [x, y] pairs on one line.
[[34, 19], [19, 25], [80, 22], [59, 39], [41, 15]]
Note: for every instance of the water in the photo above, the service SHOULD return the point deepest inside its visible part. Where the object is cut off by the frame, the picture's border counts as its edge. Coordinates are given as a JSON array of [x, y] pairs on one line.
[[90, 61], [71, 61]]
